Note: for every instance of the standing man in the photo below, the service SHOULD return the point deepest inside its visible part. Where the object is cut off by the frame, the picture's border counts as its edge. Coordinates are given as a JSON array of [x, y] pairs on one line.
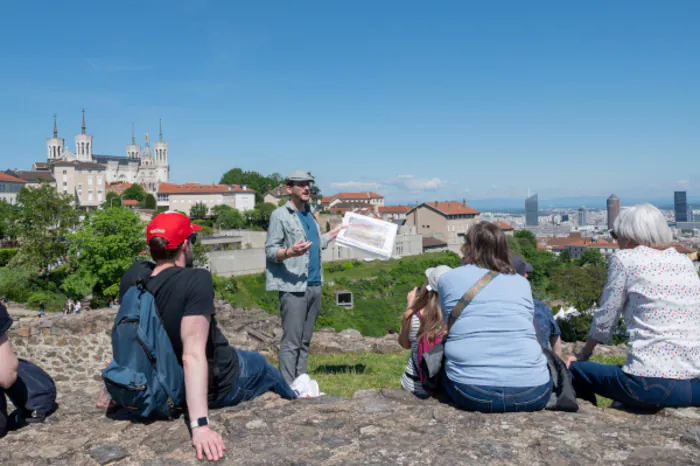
[[293, 249]]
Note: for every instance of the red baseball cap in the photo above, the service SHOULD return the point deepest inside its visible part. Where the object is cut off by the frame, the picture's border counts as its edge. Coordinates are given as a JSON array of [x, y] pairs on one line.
[[172, 226]]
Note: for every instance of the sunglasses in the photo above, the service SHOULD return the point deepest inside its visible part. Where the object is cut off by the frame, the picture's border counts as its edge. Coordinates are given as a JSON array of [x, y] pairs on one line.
[[192, 239]]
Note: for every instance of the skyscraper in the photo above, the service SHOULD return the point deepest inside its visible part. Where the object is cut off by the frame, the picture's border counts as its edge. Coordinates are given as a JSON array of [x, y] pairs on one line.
[[531, 209], [582, 216], [680, 206], [613, 210]]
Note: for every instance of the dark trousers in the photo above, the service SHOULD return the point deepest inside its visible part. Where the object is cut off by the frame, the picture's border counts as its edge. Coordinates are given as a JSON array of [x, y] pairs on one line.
[[488, 399], [299, 312], [592, 378], [256, 376]]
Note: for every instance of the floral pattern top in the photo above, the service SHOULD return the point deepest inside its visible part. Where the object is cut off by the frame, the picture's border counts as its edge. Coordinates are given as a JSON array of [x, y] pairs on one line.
[[659, 292]]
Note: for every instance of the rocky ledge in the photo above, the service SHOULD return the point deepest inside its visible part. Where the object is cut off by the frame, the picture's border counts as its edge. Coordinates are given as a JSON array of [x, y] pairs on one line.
[[386, 427]]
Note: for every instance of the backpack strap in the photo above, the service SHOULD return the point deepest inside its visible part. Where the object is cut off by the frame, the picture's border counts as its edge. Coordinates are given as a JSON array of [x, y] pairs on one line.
[[154, 284], [469, 296]]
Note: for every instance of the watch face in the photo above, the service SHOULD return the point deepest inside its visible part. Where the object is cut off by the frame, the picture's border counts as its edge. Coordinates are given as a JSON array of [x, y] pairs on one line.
[[202, 421]]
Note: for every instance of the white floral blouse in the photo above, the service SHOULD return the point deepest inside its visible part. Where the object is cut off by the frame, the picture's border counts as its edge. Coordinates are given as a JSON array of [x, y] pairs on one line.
[[659, 292]]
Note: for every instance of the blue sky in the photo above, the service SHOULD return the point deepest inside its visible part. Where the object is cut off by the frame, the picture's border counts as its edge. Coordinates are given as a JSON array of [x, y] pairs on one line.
[[416, 100]]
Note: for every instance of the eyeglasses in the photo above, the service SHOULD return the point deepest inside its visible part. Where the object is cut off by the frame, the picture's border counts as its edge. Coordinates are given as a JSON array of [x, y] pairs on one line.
[[192, 239], [613, 235]]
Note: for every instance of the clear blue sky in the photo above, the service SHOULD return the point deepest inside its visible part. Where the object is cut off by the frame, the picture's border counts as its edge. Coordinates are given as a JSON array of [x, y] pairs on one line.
[[416, 100]]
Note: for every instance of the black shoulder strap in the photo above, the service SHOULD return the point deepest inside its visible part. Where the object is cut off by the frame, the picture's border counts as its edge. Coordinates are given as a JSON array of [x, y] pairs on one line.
[[469, 296]]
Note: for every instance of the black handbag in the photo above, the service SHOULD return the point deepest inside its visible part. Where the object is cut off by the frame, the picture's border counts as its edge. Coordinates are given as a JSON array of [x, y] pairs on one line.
[[563, 394], [433, 360]]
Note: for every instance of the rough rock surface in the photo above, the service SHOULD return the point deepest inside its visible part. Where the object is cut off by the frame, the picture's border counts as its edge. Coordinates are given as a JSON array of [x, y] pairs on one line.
[[387, 427]]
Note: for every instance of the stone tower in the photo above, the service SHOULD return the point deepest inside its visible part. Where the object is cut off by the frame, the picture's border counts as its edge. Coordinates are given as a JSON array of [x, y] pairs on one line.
[[54, 144], [133, 150], [83, 144], [160, 149]]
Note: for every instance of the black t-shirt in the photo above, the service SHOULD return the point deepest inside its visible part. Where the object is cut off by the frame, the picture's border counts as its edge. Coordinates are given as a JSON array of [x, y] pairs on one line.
[[189, 292], [5, 320]]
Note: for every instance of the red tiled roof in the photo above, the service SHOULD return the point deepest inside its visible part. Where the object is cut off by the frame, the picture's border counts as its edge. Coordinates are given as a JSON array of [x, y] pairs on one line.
[[394, 209], [279, 192], [4, 177], [352, 196], [41, 165], [195, 188], [503, 226], [130, 202], [451, 208]]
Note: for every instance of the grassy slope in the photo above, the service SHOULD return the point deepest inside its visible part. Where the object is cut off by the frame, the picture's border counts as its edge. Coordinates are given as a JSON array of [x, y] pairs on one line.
[[343, 374], [379, 288]]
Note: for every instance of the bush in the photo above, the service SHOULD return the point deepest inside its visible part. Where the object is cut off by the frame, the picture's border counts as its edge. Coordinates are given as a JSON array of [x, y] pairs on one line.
[[15, 284], [575, 328], [53, 302], [6, 255]]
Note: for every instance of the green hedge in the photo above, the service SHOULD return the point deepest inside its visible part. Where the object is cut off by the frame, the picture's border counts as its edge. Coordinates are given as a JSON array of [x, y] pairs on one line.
[[6, 255]]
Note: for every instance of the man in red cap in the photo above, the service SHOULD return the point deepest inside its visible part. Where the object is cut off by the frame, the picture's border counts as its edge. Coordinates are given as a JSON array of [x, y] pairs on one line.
[[216, 374]]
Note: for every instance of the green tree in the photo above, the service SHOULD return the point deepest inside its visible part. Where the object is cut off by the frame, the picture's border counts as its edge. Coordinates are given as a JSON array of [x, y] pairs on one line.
[[230, 219], [565, 257], [134, 192], [592, 257], [46, 219], [149, 202], [260, 216], [251, 179], [199, 211], [514, 245], [9, 214], [580, 286], [111, 200], [218, 210], [109, 243], [527, 241]]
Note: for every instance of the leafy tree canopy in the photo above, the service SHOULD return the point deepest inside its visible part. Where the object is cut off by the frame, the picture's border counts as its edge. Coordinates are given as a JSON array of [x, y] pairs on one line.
[[47, 217], [230, 219], [108, 244], [134, 192], [592, 257], [199, 211]]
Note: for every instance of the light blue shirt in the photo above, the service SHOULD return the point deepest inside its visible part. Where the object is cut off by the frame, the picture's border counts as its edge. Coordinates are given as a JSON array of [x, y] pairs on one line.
[[493, 342]]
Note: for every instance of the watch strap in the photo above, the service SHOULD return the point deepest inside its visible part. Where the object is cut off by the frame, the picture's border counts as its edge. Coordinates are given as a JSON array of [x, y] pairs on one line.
[[202, 421]]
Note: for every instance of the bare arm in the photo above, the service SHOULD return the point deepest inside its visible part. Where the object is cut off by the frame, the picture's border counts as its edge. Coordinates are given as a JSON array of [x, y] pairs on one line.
[[8, 363], [555, 343], [405, 329], [194, 331]]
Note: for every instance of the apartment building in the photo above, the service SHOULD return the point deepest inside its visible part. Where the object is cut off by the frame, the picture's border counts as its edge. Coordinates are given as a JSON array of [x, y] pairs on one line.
[[274, 196], [353, 200], [85, 181], [183, 196], [390, 213], [447, 221], [9, 187]]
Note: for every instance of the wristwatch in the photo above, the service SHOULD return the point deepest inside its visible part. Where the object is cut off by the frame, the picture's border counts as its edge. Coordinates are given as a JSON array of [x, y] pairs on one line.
[[202, 421]]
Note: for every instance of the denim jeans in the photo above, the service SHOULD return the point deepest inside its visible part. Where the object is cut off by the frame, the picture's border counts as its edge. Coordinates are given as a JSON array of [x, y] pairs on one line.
[[256, 376], [591, 378], [488, 399]]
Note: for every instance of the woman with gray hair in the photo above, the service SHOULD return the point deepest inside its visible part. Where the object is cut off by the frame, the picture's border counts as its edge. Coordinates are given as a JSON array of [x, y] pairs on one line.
[[658, 290]]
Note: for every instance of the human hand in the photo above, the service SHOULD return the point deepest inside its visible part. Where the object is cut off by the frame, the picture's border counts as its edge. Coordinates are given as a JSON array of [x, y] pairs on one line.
[[299, 248], [206, 441], [411, 296], [333, 234]]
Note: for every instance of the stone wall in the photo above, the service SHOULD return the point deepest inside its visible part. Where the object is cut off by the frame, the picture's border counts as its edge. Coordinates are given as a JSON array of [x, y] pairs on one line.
[[76, 348]]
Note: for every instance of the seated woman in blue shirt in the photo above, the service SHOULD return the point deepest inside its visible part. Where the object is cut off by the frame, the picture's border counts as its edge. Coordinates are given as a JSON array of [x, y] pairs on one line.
[[493, 361]]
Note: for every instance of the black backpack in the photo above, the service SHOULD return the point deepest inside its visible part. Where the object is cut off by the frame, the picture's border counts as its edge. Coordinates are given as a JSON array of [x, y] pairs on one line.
[[33, 394]]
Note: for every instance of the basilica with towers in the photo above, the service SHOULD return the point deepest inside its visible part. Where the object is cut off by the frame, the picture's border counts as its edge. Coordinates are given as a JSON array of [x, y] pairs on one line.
[[147, 168]]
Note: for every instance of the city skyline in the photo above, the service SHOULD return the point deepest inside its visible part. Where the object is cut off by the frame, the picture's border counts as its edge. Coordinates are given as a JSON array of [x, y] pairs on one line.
[[466, 100]]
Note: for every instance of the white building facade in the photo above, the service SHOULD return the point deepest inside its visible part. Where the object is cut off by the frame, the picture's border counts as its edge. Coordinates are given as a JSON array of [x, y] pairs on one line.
[[147, 169]]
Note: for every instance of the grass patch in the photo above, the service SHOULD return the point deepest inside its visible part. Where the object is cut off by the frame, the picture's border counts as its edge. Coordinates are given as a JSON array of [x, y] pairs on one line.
[[343, 374]]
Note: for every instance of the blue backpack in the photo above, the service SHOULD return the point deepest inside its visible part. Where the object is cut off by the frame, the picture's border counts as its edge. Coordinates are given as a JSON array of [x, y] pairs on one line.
[[145, 376]]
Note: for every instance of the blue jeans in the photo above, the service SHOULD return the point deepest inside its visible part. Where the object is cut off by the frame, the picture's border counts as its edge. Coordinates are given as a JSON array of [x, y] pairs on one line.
[[487, 399], [256, 376], [591, 378]]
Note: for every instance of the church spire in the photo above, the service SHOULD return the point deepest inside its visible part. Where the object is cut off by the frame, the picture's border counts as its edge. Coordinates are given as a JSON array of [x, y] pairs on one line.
[[55, 128], [83, 121], [161, 129], [133, 137]]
